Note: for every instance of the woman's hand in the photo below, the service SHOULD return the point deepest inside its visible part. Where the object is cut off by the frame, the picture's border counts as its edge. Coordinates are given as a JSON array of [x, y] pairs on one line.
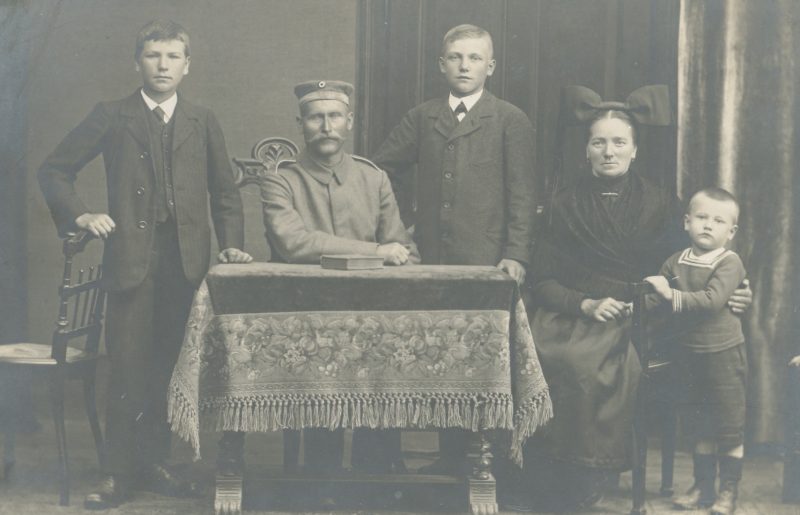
[[605, 310], [741, 298]]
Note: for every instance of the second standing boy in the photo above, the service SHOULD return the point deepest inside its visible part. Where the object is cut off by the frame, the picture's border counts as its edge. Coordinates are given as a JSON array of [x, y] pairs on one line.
[[474, 186]]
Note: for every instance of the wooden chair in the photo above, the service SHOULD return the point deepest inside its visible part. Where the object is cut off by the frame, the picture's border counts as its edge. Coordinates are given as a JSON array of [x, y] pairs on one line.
[[655, 385], [265, 156], [80, 315]]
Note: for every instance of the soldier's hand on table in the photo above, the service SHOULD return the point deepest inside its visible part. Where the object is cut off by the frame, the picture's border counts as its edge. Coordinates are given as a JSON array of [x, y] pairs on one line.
[[605, 310], [393, 253], [513, 268], [232, 255], [99, 224], [741, 298]]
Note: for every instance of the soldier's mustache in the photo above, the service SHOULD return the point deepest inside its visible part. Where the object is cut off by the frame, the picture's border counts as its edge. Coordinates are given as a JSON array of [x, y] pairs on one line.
[[321, 137]]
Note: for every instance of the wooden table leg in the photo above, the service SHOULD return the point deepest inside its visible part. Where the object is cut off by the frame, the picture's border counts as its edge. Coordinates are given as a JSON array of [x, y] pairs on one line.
[[229, 474], [482, 486]]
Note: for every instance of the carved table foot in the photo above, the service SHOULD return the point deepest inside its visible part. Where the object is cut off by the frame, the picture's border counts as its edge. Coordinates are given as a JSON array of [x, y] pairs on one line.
[[228, 495], [229, 475], [482, 487]]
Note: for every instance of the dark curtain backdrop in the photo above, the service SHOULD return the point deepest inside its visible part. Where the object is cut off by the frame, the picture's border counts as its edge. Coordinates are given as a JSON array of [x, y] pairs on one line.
[[738, 66]]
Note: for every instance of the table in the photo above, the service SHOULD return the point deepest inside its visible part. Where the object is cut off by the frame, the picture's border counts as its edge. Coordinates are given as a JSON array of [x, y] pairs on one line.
[[273, 346]]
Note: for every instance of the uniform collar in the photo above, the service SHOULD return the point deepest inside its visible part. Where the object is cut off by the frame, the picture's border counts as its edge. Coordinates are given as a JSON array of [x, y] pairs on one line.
[[469, 101], [323, 173], [168, 105]]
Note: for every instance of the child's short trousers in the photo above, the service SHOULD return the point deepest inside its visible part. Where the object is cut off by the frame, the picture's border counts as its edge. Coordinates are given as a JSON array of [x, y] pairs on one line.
[[713, 400]]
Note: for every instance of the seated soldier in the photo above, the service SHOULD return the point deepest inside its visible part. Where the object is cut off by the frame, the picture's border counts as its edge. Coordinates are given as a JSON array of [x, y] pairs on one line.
[[327, 201]]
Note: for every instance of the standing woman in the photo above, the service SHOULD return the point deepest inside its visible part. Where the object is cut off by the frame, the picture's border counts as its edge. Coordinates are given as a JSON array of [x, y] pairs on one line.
[[611, 228]]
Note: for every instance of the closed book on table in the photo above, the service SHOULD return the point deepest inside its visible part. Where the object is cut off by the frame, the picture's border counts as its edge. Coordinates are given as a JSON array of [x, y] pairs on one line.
[[350, 261]]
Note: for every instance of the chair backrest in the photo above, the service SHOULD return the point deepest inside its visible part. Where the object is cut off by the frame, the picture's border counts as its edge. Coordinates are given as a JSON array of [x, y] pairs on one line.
[[81, 301], [266, 154]]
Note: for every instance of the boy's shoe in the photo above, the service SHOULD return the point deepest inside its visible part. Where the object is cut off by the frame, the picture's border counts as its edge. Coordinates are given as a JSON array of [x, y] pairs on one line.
[[701, 494], [693, 499], [726, 503], [730, 473], [109, 493]]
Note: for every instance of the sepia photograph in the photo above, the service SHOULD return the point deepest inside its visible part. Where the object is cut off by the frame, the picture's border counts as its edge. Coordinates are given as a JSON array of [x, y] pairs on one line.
[[399, 256]]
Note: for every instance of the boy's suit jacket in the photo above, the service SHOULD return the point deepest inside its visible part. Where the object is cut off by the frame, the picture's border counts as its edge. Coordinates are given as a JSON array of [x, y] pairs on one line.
[[200, 170], [474, 184]]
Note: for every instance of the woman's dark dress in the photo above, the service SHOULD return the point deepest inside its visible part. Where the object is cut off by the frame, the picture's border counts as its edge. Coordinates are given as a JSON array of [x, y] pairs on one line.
[[601, 235]]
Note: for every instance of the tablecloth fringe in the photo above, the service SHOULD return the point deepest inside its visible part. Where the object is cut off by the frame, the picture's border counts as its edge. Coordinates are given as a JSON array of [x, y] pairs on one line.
[[332, 411], [533, 414], [182, 417]]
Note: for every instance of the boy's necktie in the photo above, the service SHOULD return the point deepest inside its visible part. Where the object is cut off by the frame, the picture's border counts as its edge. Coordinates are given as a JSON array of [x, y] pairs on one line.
[[162, 116], [460, 111]]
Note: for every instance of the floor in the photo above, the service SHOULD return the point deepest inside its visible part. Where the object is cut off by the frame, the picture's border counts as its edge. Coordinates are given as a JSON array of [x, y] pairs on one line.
[[32, 487]]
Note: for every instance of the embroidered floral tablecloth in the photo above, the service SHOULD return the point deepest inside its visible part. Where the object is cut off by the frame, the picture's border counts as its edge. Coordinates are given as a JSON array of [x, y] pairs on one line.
[[274, 346]]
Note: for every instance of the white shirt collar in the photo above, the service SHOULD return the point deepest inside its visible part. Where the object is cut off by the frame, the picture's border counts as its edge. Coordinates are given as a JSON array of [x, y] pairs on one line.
[[469, 101], [708, 257], [168, 105]]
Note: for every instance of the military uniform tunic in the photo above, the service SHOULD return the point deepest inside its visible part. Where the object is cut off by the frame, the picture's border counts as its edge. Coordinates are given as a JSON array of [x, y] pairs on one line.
[[310, 210]]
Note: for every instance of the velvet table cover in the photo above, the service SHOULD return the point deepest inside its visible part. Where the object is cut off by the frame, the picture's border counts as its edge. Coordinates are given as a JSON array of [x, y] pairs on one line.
[[273, 346]]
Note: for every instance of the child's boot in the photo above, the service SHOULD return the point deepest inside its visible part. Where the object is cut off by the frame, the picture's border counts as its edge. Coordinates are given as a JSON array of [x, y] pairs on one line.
[[730, 473], [701, 494]]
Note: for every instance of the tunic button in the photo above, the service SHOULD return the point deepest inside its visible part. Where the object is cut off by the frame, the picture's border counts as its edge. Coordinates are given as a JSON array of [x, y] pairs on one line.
[[143, 155], [448, 175], [446, 205], [140, 191], [142, 224], [450, 146], [171, 202]]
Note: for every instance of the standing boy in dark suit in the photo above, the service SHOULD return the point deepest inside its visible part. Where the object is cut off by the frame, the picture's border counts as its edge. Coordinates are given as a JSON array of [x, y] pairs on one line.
[[164, 159], [474, 185]]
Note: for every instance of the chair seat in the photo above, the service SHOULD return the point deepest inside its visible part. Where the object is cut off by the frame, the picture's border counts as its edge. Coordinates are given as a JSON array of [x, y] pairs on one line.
[[37, 354]]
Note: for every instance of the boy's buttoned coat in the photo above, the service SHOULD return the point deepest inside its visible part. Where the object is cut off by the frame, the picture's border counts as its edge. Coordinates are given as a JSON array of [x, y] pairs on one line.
[[474, 200], [149, 298], [200, 169]]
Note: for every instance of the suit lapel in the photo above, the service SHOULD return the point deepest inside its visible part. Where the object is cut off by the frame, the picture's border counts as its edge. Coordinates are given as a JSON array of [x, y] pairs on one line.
[[445, 119], [183, 126], [483, 108], [448, 126], [134, 110]]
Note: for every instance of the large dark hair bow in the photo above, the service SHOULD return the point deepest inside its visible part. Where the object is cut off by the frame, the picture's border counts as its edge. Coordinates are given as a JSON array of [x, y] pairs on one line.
[[648, 105]]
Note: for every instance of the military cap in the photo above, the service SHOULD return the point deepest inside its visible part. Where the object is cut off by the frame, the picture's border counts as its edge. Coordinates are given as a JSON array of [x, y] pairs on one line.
[[323, 90]]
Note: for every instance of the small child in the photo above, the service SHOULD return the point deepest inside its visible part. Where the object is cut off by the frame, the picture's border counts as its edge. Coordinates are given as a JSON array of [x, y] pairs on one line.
[[712, 355]]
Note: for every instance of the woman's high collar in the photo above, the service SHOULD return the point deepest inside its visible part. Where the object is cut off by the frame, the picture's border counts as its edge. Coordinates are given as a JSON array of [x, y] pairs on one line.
[[609, 185]]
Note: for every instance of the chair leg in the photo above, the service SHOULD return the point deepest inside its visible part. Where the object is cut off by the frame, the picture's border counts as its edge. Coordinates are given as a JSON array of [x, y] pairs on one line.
[[57, 401], [89, 396], [639, 451], [9, 447], [670, 425]]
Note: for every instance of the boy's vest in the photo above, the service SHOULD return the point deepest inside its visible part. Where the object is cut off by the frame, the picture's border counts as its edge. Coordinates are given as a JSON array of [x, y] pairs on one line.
[[160, 136]]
